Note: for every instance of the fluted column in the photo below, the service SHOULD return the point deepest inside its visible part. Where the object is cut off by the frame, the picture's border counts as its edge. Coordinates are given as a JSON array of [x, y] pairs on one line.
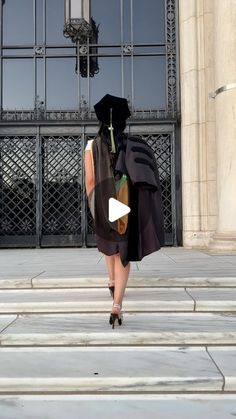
[[190, 121], [225, 115]]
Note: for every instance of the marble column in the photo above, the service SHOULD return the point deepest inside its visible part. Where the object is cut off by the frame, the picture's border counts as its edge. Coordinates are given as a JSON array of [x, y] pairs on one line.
[[190, 121], [198, 122], [224, 238]]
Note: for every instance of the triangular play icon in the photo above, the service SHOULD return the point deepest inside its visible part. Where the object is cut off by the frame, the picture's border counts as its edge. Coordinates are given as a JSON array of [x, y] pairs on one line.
[[116, 209]]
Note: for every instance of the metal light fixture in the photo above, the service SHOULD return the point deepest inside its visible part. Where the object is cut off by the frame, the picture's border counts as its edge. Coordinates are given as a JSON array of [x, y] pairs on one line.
[[77, 24], [92, 56], [82, 29]]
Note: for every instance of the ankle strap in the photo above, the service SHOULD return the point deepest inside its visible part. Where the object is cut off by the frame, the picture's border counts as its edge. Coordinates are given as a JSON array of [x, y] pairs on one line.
[[117, 305]]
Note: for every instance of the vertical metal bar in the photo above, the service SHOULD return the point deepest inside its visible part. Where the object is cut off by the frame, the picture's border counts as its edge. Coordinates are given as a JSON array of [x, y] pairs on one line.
[[178, 186], [35, 85], [44, 56], [122, 46], [83, 197], [35, 65], [178, 102], [38, 186], [166, 54], [1, 23], [1, 60], [173, 185], [35, 22], [44, 22], [78, 74], [88, 76], [132, 54]]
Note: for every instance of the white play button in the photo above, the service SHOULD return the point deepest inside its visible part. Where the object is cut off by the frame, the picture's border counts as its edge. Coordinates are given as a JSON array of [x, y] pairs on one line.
[[117, 209]]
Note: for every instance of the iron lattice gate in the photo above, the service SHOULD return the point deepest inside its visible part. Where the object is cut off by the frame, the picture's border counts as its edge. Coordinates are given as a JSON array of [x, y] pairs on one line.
[[61, 190], [42, 194]]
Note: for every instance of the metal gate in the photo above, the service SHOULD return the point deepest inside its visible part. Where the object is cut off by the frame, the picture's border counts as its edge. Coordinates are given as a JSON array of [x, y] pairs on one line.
[[42, 193]]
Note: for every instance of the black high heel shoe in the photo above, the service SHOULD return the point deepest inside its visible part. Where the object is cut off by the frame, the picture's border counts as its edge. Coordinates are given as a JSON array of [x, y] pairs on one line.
[[115, 316], [112, 291]]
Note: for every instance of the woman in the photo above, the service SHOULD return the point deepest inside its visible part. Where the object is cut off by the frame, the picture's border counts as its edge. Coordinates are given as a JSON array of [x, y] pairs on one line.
[[109, 241], [124, 168]]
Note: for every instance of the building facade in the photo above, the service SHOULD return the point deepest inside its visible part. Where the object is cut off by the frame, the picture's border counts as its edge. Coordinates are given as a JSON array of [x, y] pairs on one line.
[[168, 58]]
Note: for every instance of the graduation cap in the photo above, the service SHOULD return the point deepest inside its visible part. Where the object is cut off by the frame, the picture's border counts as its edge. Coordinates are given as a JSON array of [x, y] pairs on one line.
[[113, 111], [120, 110]]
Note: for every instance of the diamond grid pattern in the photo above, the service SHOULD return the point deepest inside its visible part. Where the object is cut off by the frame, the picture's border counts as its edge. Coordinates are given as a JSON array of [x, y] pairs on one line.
[[17, 185], [61, 184], [61, 188], [161, 146]]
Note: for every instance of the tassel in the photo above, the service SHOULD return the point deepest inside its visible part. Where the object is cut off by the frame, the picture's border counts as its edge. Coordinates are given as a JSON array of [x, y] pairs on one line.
[[111, 129]]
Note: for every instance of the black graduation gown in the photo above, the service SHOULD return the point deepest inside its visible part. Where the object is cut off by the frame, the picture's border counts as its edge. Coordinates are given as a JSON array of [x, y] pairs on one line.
[[146, 221]]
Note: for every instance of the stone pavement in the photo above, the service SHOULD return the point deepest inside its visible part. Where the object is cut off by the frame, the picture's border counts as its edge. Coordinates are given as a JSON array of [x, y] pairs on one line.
[[169, 262], [174, 354]]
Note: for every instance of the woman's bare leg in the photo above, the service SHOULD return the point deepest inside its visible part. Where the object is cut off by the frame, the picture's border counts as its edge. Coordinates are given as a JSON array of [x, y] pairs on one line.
[[121, 278], [110, 262]]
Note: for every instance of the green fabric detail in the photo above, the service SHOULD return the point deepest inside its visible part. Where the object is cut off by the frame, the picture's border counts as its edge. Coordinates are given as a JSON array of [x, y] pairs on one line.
[[122, 181]]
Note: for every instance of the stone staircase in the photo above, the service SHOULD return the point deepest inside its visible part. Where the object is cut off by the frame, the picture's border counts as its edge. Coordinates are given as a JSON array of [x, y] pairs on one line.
[[174, 354]]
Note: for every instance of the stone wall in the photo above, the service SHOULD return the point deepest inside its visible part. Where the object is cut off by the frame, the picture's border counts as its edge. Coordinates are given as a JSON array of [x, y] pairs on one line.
[[203, 168]]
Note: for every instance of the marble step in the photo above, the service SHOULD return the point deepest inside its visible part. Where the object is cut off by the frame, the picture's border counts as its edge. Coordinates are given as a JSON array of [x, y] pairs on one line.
[[122, 406], [92, 300], [43, 281], [119, 369], [137, 329], [136, 300]]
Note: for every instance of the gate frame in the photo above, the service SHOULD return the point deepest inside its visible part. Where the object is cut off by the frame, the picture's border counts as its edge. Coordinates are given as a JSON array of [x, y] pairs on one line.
[[84, 128]]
